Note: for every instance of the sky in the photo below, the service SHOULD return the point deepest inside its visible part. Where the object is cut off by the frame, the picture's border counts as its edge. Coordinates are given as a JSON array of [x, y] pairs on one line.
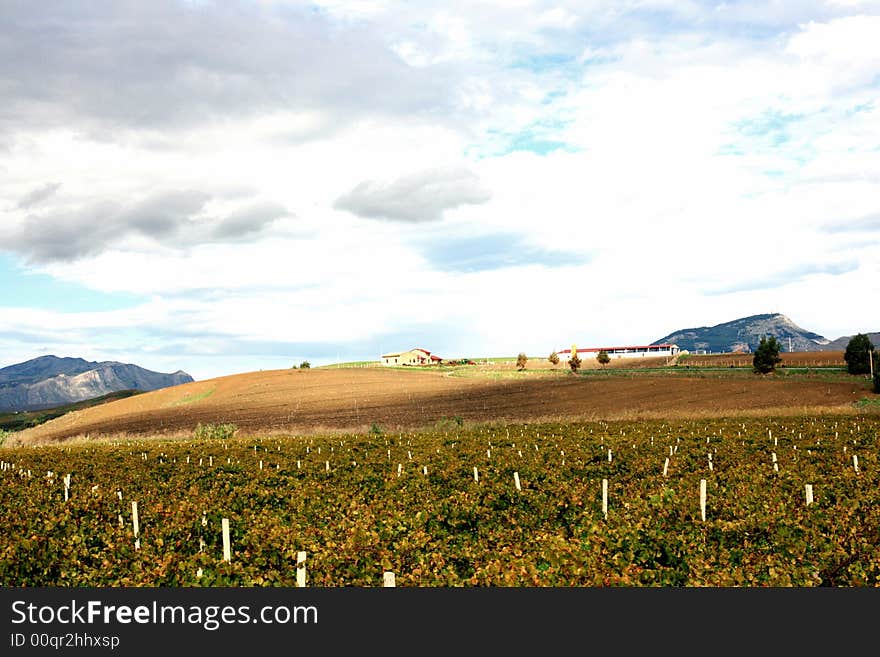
[[223, 187]]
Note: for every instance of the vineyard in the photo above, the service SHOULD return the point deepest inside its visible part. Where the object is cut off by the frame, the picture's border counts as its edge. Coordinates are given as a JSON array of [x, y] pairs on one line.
[[832, 359], [725, 502]]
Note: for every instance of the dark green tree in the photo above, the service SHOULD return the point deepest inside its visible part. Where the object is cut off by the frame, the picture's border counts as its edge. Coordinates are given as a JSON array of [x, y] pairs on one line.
[[305, 365], [574, 362], [858, 360], [521, 361], [603, 358], [766, 355]]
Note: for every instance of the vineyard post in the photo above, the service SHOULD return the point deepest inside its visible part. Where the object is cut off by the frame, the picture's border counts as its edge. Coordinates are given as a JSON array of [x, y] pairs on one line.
[[609, 456], [605, 497], [666, 466], [808, 490], [388, 580], [703, 499], [775, 464], [227, 549], [301, 569], [476, 475], [135, 525], [856, 463], [424, 469], [66, 487], [516, 480]]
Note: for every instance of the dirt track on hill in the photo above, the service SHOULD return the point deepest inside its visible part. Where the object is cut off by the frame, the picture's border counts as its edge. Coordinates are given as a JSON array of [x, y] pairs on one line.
[[300, 401]]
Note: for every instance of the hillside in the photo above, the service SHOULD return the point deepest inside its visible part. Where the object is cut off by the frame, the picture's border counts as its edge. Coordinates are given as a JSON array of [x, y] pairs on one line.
[[19, 420], [310, 401], [744, 334], [840, 343], [50, 381]]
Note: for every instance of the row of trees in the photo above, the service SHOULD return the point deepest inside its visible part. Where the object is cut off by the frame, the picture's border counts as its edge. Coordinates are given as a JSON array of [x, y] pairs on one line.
[[574, 362], [859, 355]]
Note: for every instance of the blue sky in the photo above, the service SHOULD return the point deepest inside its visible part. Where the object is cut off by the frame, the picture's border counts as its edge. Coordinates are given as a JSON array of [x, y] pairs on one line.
[[342, 179]]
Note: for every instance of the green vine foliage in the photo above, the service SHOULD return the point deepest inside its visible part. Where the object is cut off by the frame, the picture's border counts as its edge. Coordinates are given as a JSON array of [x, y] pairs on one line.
[[359, 517]]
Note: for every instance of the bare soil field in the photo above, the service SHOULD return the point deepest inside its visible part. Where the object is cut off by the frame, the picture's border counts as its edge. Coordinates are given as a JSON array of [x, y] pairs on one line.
[[793, 359], [312, 401]]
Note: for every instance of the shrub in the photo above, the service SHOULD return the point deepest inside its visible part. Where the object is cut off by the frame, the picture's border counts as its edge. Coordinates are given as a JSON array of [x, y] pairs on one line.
[[305, 365], [766, 355], [376, 430], [449, 424], [521, 361], [603, 358], [3, 436], [554, 358], [857, 354], [214, 431], [574, 363]]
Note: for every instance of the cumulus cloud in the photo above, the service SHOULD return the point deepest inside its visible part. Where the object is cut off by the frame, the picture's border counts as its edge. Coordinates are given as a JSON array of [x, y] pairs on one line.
[[172, 218], [867, 223], [165, 63], [415, 198], [38, 195], [787, 277]]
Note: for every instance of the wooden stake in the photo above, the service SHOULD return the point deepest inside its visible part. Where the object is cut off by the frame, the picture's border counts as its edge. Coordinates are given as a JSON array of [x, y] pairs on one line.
[[227, 549], [135, 525], [388, 579], [605, 497], [301, 569], [703, 499]]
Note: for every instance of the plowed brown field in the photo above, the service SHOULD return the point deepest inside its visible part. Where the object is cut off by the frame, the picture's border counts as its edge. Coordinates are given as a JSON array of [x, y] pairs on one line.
[[302, 401]]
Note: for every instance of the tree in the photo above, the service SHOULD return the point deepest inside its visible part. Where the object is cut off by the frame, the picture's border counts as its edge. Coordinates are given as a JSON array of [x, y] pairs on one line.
[[521, 361], [603, 358], [305, 365], [766, 355], [554, 358], [858, 360], [575, 362]]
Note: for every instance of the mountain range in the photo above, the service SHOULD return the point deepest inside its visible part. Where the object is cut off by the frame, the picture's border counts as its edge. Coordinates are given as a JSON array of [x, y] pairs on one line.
[[744, 335], [50, 381]]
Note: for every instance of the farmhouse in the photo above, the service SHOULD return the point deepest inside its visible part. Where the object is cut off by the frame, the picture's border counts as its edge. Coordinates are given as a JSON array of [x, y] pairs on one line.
[[638, 351], [416, 356]]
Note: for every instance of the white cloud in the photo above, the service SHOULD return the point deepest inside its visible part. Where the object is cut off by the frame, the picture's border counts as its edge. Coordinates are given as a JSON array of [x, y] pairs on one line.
[[682, 145]]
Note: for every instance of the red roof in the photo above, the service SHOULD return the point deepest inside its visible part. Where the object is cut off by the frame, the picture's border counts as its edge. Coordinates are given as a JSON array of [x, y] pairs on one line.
[[598, 349]]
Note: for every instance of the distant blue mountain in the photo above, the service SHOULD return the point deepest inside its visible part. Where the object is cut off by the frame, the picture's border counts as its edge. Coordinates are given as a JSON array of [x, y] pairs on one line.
[[50, 381]]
